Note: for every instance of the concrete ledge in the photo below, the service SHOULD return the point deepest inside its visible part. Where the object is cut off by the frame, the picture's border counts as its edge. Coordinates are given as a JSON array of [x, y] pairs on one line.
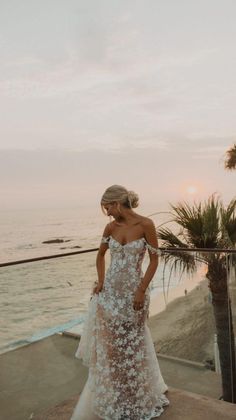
[[183, 406], [184, 362]]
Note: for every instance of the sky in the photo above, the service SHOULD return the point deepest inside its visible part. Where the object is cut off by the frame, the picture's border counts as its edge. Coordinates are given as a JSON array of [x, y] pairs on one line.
[[95, 93]]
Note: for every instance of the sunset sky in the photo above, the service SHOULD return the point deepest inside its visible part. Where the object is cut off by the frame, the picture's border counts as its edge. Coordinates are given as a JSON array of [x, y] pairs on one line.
[[95, 93]]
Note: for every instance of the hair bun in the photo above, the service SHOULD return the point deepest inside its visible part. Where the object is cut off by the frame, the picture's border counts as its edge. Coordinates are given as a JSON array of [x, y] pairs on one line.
[[134, 198]]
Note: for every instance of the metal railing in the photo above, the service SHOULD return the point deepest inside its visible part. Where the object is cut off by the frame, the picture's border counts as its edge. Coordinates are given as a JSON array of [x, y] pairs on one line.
[[163, 249]]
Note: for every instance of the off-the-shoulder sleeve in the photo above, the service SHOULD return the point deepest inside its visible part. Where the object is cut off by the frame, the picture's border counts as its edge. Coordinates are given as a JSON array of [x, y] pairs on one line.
[[152, 249], [105, 239]]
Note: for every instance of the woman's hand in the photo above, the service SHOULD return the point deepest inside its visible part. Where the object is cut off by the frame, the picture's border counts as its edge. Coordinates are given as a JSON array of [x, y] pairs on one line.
[[97, 288], [139, 298]]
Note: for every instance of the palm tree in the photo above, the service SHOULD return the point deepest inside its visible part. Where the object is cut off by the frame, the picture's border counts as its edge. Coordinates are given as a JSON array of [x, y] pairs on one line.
[[230, 162], [208, 225]]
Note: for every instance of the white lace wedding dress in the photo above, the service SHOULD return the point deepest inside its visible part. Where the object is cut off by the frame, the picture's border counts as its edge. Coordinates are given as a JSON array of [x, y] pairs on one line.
[[124, 381]]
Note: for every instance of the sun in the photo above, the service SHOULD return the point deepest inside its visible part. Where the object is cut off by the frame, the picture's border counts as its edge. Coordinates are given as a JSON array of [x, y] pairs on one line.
[[191, 189]]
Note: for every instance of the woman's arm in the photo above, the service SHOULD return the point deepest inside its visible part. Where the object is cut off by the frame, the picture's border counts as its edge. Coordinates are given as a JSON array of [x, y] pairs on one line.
[[100, 261], [151, 238]]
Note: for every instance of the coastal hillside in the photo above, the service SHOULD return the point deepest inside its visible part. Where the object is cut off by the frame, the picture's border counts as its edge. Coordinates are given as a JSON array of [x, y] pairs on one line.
[[186, 327]]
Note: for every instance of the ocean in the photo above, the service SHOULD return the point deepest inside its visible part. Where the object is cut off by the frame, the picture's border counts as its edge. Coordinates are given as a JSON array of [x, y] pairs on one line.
[[41, 298]]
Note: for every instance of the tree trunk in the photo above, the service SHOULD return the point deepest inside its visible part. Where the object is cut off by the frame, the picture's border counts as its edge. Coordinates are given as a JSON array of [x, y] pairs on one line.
[[224, 329]]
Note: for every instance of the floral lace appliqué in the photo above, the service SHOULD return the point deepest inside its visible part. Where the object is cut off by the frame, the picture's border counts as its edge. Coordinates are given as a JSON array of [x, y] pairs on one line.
[[116, 344]]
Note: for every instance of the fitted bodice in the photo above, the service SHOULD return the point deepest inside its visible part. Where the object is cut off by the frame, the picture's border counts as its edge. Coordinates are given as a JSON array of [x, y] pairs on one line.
[[125, 269], [128, 257], [114, 245]]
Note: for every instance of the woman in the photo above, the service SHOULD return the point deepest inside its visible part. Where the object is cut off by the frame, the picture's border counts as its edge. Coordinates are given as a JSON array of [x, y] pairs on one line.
[[124, 379]]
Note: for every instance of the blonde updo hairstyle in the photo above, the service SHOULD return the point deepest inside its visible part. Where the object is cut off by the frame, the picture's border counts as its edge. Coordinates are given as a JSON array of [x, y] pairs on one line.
[[119, 194]]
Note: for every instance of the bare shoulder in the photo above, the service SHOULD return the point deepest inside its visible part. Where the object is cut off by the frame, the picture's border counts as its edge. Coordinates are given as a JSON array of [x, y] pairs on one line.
[[147, 222], [104, 240], [150, 233], [108, 229]]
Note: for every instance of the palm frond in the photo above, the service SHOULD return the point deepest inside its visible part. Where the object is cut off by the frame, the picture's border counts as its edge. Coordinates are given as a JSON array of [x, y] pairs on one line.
[[230, 162], [204, 225], [200, 222], [211, 222], [228, 223], [189, 218], [170, 239], [181, 261]]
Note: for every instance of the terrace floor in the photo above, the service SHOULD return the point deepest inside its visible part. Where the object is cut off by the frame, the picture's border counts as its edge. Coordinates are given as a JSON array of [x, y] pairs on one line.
[[42, 381]]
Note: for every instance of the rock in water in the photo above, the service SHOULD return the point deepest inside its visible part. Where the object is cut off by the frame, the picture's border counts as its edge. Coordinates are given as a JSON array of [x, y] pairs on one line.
[[56, 241]]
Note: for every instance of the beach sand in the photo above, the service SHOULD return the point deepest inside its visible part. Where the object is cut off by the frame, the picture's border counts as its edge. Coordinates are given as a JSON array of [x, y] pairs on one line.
[[186, 327]]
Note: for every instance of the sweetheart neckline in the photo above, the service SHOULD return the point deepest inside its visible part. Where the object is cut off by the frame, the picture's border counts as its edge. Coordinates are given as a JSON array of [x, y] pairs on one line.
[[135, 240]]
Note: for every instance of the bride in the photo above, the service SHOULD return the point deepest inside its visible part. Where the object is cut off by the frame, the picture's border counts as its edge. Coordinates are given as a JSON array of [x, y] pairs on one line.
[[124, 380]]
